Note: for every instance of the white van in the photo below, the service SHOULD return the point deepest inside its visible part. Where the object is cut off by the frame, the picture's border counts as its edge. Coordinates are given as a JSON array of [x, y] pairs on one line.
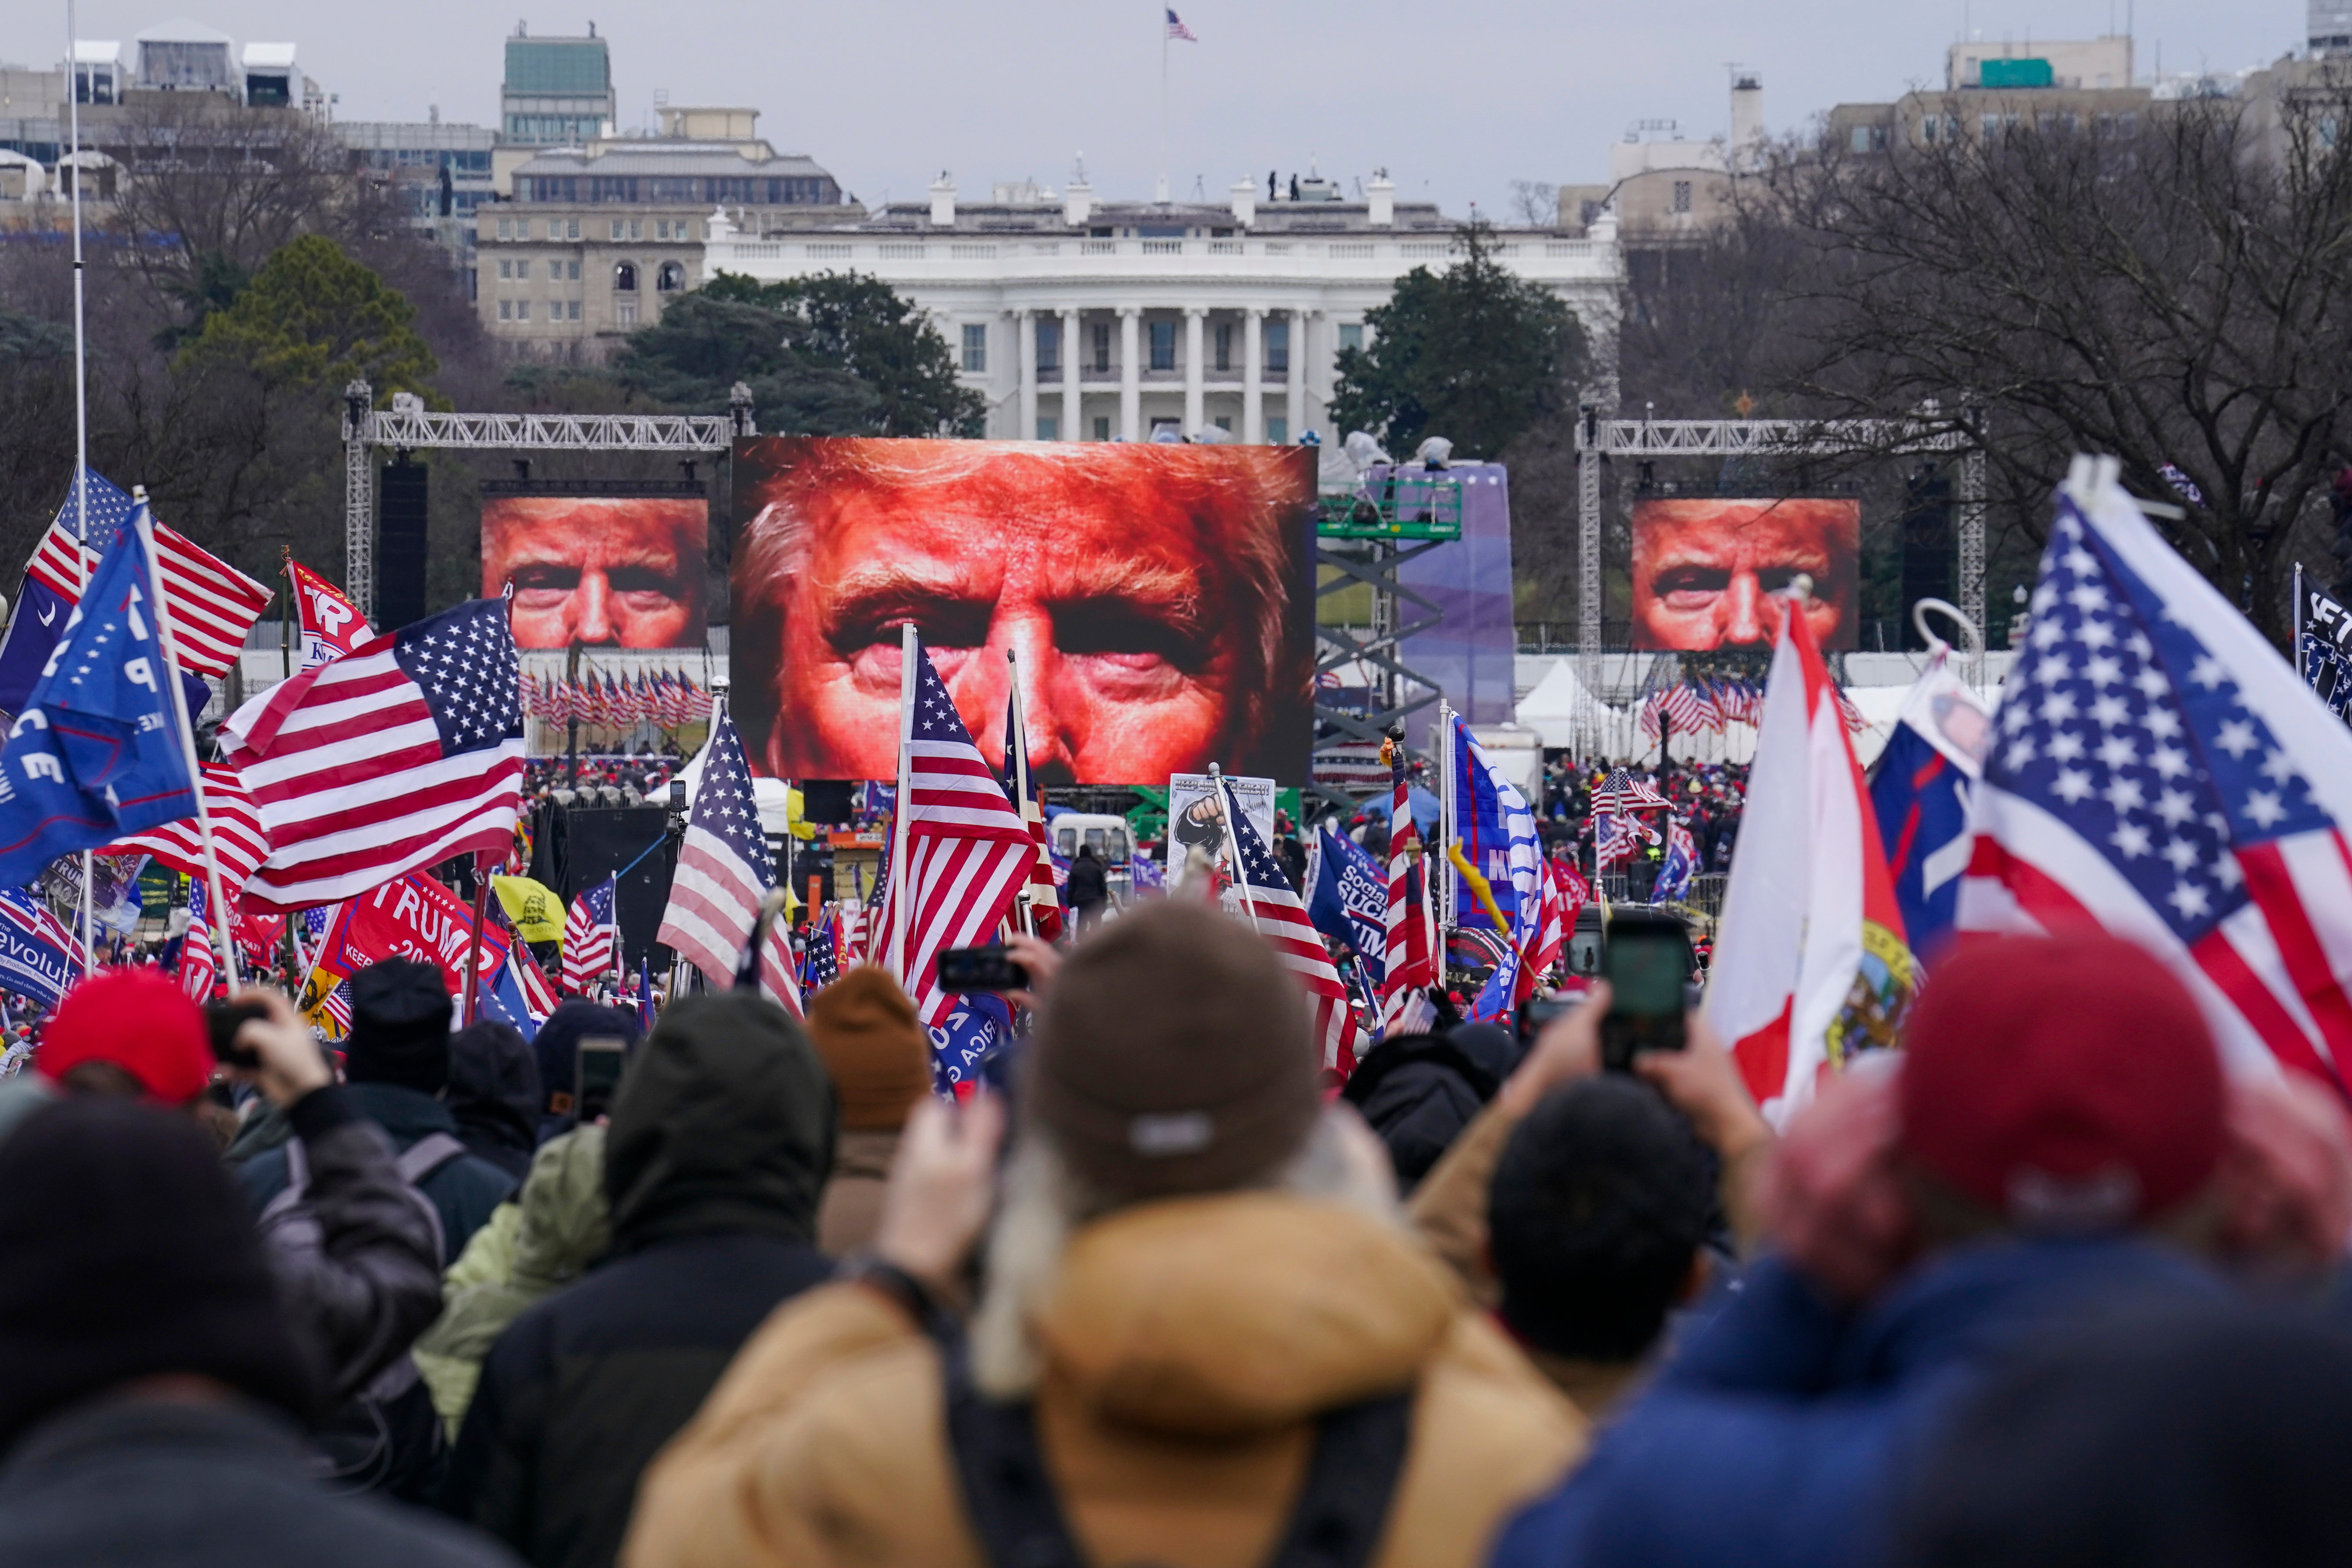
[[1111, 839]]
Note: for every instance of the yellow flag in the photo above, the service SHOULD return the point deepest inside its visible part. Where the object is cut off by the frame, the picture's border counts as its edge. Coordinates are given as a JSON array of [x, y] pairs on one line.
[[536, 911]]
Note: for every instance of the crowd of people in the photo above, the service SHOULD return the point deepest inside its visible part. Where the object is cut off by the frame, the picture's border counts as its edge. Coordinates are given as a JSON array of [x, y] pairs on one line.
[[2051, 1284]]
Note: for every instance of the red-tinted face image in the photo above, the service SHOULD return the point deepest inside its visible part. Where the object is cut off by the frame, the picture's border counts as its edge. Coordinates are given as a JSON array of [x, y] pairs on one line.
[[624, 572], [1156, 597], [1702, 570]]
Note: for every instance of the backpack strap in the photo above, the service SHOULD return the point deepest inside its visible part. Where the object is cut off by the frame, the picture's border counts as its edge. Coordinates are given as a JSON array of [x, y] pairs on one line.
[[427, 1155], [1336, 1521]]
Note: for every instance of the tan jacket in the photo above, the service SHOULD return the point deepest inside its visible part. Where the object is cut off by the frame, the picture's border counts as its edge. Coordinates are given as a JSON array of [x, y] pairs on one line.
[[1189, 1346], [852, 1205]]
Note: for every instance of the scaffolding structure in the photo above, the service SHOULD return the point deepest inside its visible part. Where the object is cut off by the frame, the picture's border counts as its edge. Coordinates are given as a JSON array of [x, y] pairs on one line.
[[407, 425], [1598, 439]]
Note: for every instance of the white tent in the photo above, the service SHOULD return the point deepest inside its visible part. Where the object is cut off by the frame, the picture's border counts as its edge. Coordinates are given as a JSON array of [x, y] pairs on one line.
[[1556, 705]]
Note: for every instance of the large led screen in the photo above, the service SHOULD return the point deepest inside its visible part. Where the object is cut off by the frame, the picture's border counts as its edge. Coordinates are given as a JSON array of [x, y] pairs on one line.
[[1160, 599], [1702, 569], [608, 571]]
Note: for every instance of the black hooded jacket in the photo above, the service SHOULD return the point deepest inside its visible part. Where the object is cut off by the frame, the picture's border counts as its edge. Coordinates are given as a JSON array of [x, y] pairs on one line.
[[720, 1141]]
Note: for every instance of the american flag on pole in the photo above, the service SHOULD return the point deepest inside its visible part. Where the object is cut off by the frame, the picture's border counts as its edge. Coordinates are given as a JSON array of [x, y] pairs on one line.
[[1272, 904], [1410, 964], [724, 870], [2157, 769], [966, 851], [1177, 29], [588, 936], [198, 962], [821, 967], [538, 996], [239, 839], [400, 754], [213, 604], [1621, 792], [1039, 893]]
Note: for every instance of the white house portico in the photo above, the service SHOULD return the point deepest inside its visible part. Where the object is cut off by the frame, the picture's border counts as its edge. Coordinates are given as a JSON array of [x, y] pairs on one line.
[[1086, 322]]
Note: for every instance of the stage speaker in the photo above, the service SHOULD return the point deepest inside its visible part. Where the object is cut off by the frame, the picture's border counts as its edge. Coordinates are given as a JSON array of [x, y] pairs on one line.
[[1927, 545], [588, 846], [400, 544], [826, 801]]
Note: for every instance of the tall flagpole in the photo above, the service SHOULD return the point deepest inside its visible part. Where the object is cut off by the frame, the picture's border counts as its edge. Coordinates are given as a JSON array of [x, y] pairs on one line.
[[1233, 807], [1159, 10], [144, 522], [1017, 742], [909, 645], [81, 415]]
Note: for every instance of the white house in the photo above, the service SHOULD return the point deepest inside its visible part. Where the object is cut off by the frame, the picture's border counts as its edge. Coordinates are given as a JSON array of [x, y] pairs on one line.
[[1080, 320]]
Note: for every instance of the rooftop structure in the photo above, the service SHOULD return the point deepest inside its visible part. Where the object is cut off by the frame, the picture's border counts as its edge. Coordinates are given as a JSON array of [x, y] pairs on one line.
[[557, 91]]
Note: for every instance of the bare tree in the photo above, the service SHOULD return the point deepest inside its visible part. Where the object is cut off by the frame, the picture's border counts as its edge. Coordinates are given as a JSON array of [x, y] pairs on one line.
[[1534, 203], [2172, 289]]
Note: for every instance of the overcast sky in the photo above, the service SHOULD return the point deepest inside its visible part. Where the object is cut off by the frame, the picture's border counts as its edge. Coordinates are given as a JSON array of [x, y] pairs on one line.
[[1456, 99]]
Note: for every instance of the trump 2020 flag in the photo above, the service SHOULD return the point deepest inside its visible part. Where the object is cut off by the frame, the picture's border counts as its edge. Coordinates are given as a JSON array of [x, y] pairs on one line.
[[97, 753], [39, 956], [1811, 963], [2159, 769], [1350, 898], [1919, 792], [52, 584]]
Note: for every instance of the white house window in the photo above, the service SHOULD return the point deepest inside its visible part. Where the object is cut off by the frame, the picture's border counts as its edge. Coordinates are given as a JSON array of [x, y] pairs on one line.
[[1351, 336], [1277, 431], [1048, 427], [1277, 352], [1102, 352], [975, 347], [1224, 345], [1049, 354]]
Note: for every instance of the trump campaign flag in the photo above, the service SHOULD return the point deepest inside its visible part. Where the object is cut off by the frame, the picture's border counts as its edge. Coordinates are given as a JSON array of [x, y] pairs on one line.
[[332, 625], [2157, 769], [1498, 830], [98, 751], [40, 957], [1811, 965], [1350, 898], [1919, 792], [47, 598]]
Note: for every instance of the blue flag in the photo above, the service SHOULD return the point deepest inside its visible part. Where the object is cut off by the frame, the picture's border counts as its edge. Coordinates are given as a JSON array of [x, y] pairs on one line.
[[35, 950], [1348, 900], [97, 752], [41, 610], [1498, 830], [1919, 789], [502, 999], [978, 1022]]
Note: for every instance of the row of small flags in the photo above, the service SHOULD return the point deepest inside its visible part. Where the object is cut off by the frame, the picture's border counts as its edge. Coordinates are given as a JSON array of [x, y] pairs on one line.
[[1700, 704], [666, 699]]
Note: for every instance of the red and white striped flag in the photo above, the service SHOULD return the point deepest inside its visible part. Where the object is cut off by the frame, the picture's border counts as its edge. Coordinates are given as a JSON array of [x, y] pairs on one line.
[[724, 870], [198, 964], [536, 994], [239, 839], [966, 851], [1272, 905], [1041, 893], [213, 604], [400, 754], [1411, 966], [588, 936]]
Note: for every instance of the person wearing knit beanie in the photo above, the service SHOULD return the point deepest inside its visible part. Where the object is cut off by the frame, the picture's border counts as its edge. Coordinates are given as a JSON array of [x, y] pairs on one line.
[[400, 1027], [879, 1057]]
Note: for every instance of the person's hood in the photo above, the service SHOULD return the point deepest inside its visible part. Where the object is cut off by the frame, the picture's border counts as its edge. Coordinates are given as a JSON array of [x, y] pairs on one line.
[[724, 1122], [566, 1222], [1217, 1317], [494, 1094]]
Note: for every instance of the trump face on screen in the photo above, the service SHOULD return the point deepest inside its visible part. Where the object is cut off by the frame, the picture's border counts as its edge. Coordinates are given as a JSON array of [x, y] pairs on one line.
[[1156, 597], [1704, 568], [625, 572]]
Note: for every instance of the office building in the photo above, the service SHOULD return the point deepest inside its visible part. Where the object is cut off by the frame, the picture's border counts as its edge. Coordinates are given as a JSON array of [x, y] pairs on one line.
[[596, 238], [557, 91]]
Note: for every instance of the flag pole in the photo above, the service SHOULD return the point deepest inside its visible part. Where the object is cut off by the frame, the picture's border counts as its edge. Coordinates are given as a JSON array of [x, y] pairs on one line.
[[144, 521], [1160, 13], [81, 416], [1449, 831], [1232, 840], [1018, 743], [909, 647]]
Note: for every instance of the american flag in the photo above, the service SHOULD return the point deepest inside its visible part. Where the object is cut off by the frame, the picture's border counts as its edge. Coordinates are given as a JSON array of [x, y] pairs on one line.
[[213, 604], [1039, 893], [239, 840], [1616, 837], [967, 850], [337, 1005], [1621, 792], [198, 964], [1272, 905], [1177, 29], [1351, 767], [2159, 769], [538, 995], [1710, 710], [1681, 704], [588, 934], [1410, 966], [724, 870], [400, 754], [822, 967]]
